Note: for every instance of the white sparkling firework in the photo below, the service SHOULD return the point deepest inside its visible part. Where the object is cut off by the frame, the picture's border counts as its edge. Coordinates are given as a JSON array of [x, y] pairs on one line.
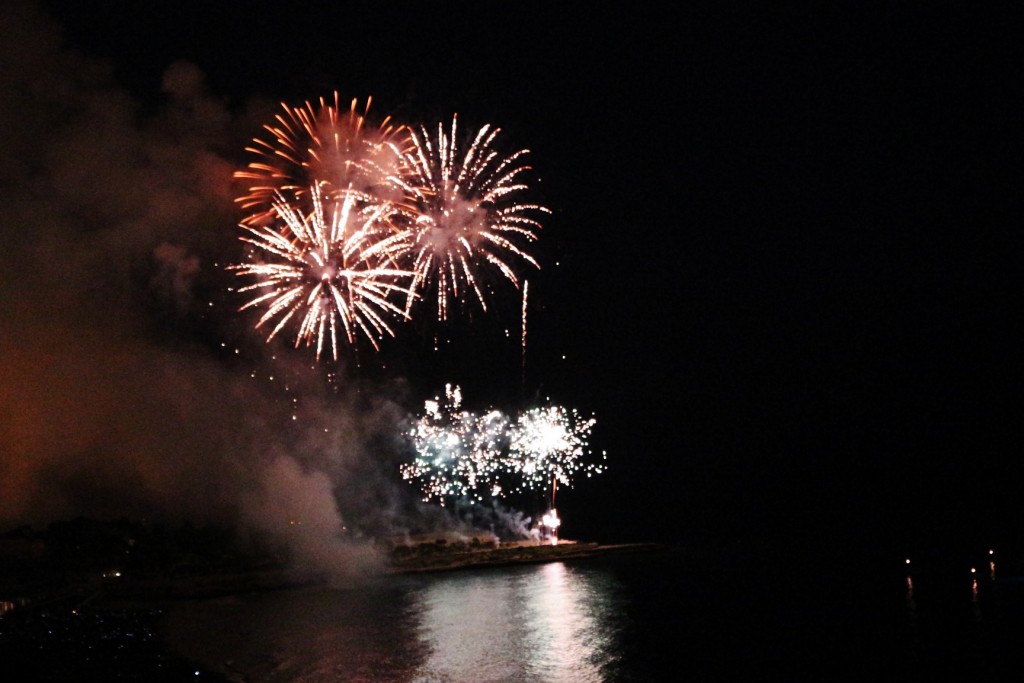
[[333, 269], [462, 455], [551, 443], [458, 453], [468, 216]]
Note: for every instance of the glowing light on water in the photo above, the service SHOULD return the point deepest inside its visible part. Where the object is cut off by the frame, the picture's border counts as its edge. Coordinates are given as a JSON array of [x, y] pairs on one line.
[[550, 623]]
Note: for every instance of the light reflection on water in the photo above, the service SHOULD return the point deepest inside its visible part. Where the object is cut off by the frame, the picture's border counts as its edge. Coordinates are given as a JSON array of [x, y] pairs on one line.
[[10, 605], [549, 622]]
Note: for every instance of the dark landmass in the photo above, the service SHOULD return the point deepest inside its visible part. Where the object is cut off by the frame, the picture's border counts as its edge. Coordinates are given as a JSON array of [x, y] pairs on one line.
[[85, 561], [62, 617]]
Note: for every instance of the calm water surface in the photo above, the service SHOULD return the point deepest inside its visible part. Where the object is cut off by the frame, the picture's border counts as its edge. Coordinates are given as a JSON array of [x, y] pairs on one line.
[[644, 617]]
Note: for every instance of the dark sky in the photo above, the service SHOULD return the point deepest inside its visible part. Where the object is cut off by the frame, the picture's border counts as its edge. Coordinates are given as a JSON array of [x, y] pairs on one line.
[[787, 238]]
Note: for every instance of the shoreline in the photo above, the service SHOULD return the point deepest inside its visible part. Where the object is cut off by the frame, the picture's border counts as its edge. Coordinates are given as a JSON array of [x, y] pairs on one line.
[[425, 558], [417, 558], [514, 553]]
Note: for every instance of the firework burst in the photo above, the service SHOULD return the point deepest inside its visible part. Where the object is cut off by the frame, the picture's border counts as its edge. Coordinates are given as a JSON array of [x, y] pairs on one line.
[[332, 268], [458, 453], [324, 146], [463, 455], [351, 224], [467, 214], [551, 444]]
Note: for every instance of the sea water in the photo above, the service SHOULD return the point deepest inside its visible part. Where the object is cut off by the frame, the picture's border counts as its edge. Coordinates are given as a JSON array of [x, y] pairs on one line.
[[663, 615]]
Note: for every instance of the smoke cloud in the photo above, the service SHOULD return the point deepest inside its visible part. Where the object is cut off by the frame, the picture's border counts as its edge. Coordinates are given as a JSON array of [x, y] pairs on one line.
[[116, 398]]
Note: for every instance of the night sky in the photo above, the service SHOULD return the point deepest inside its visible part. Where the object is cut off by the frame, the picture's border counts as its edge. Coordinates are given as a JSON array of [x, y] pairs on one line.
[[782, 268]]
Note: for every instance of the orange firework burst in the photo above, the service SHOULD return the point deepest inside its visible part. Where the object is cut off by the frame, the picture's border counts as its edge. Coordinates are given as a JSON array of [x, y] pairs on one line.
[[325, 146]]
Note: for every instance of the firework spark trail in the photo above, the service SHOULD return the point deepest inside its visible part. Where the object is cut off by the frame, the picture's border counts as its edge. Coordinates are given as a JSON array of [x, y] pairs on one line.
[[329, 267], [526, 291], [468, 213], [463, 455]]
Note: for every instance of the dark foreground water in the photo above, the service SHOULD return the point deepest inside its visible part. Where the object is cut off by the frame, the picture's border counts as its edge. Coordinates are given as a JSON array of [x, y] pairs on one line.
[[761, 611], [660, 616]]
